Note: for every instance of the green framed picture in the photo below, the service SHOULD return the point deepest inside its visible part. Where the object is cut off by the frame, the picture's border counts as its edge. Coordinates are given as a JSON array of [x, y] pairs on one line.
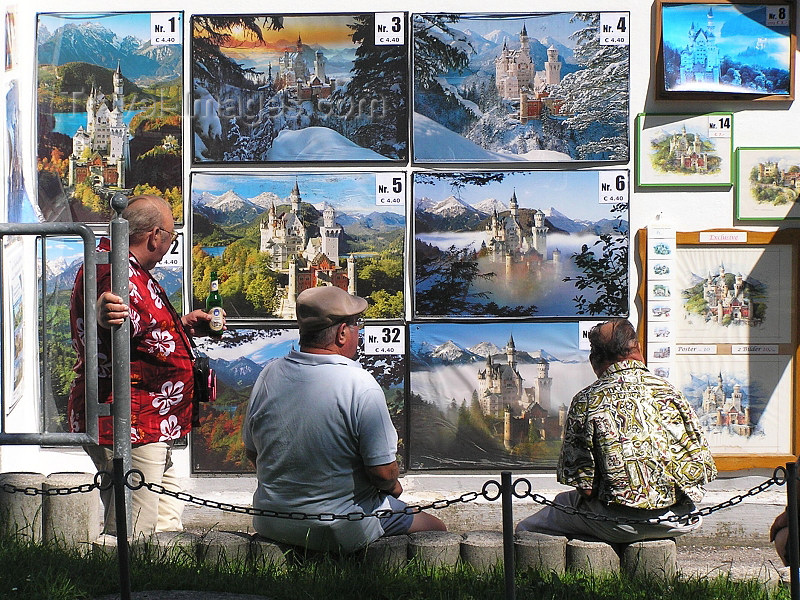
[[767, 184]]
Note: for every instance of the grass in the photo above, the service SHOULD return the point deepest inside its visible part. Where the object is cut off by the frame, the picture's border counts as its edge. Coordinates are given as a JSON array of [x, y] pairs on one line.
[[34, 571]]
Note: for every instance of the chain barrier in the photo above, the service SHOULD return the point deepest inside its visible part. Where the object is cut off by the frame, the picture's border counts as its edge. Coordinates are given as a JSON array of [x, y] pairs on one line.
[[84, 488]]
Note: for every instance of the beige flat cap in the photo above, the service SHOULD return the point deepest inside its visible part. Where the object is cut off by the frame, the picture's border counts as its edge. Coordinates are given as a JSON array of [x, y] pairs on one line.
[[321, 307]]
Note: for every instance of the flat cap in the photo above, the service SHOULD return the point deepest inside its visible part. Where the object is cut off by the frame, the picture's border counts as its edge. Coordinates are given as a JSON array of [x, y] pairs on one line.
[[321, 307]]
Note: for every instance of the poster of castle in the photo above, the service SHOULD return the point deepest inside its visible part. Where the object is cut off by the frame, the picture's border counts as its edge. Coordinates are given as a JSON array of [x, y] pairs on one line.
[[734, 295], [238, 358], [768, 183], [492, 395], [684, 150], [292, 88], [741, 401], [269, 236], [740, 48], [538, 87], [520, 244], [109, 100]]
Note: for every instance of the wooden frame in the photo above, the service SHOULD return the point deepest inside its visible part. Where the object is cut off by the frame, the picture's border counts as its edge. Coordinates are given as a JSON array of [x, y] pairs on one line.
[[716, 74], [767, 184], [777, 357]]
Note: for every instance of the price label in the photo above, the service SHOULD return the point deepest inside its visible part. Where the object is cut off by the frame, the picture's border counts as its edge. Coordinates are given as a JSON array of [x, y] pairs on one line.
[[720, 126], [174, 256], [614, 28], [777, 16], [390, 189], [165, 29], [384, 339], [390, 29], [612, 187]]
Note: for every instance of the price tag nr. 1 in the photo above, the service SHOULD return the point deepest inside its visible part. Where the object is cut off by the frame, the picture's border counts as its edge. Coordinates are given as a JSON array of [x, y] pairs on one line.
[[612, 187], [384, 339], [614, 28], [777, 16], [390, 189], [165, 28], [720, 126], [390, 29]]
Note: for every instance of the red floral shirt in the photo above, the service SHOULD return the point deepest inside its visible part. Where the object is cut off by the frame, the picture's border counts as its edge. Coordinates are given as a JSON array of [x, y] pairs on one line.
[[162, 381]]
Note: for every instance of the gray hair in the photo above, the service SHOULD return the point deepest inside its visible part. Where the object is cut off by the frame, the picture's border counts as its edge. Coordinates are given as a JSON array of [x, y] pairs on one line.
[[143, 213]]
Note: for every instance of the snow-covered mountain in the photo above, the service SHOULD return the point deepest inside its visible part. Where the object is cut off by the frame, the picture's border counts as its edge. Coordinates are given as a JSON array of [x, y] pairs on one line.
[[485, 349], [228, 207], [266, 199], [489, 205], [240, 373], [451, 353], [451, 207]]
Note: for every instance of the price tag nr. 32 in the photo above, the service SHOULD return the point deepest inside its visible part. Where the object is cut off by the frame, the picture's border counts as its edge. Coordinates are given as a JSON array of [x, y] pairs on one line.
[[384, 339], [614, 28], [165, 28], [390, 189], [612, 187], [777, 16], [174, 256], [720, 126], [390, 29]]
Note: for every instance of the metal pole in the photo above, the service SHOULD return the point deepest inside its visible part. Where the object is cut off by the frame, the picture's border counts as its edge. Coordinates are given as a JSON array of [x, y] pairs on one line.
[[794, 541], [121, 386], [508, 534]]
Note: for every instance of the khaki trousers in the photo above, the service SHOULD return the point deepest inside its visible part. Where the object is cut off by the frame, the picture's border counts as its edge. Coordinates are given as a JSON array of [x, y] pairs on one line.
[[151, 512]]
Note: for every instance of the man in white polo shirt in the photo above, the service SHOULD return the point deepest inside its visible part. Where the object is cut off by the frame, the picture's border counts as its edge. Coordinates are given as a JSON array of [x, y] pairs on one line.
[[319, 432]]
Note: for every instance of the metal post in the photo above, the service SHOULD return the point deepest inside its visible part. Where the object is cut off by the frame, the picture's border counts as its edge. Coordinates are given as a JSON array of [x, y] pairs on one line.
[[508, 534], [793, 542]]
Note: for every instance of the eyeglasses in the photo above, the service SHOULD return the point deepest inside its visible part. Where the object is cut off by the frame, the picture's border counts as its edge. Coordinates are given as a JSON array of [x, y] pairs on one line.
[[358, 324], [173, 235]]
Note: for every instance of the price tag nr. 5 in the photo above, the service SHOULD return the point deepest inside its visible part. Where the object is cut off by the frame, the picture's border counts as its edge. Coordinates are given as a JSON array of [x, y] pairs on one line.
[[390, 189]]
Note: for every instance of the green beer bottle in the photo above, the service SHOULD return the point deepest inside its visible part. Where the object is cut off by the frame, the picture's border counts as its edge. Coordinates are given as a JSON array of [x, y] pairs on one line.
[[214, 307]]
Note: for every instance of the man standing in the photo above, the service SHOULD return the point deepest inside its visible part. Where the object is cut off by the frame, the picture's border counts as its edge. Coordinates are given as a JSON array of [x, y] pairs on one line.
[[161, 368], [319, 432], [633, 449]]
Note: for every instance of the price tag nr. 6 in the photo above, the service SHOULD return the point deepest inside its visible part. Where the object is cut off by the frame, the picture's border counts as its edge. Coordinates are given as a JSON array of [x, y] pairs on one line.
[[612, 187]]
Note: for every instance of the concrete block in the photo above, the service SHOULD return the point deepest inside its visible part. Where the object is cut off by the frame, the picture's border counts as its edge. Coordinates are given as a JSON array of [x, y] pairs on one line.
[[591, 557], [168, 544], [434, 548], [651, 558], [265, 553], [483, 550], [220, 546], [20, 513], [70, 519], [390, 552], [540, 552]]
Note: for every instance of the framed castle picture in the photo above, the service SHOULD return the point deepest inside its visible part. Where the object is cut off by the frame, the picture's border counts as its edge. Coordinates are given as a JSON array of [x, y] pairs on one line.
[[520, 244], [684, 150], [519, 88], [269, 236], [318, 88], [110, 105], [725, 49], [238, 358], [767, 184]]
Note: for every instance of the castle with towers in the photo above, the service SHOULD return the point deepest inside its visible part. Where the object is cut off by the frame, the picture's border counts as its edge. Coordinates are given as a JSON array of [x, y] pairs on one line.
[[101, 151], [700, 60], [727, 411], [783, 177], [308, 261], [686, 150], [727, 304], [294, 74]]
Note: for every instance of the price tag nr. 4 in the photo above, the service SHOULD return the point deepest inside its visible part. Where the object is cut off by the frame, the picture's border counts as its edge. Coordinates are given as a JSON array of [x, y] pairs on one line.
[[165, 28], [614, 28], [720, 126], [384, 339], [390, 29], [612, 187], [390, 189]]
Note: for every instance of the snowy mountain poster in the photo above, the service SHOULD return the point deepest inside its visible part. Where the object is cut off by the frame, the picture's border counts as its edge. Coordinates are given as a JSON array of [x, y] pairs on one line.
[[110, 111], [269, 236], [238, 358], [300, 88], [539, 87], [520, 244], [492, 395]]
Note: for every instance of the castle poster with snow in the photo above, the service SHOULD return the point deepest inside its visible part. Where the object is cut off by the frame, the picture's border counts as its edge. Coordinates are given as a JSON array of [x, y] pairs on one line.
[[521, 244], [539, 87], [109, 120], [300, 88]]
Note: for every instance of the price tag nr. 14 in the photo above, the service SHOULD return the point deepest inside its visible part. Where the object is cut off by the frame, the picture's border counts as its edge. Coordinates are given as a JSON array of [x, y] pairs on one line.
[[720, 126], [612, 187], [384, 339]]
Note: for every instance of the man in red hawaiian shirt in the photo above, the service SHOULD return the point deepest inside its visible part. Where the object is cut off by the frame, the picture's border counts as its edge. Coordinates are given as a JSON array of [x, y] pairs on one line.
[[162, 380]]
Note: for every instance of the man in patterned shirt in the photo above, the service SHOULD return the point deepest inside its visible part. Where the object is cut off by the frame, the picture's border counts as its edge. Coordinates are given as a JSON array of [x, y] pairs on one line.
[[633, 449]]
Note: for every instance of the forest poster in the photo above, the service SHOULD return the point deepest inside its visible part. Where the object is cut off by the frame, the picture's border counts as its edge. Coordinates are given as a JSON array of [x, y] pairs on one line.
[[464, 375], [290, 88], [238, 358], [520, 244], [110, 99], [269, 236]]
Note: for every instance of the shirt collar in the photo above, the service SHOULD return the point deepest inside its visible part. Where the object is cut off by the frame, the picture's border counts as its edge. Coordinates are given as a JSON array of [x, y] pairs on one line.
[[623, 365], [307, 358]]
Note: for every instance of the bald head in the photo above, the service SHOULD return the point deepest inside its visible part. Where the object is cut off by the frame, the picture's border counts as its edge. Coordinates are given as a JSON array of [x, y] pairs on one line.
[[612, 341], [150, 228]]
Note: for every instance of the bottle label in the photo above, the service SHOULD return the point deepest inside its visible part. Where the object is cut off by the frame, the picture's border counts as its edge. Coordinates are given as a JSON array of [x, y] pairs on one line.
[[214, 285], [216, 323]]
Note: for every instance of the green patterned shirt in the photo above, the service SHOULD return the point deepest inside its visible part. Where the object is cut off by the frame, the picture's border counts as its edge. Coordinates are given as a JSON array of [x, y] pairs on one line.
[[633, 438]]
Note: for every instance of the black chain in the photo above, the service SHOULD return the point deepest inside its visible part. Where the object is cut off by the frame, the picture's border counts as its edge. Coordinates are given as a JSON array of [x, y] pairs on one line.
[[78, 489]]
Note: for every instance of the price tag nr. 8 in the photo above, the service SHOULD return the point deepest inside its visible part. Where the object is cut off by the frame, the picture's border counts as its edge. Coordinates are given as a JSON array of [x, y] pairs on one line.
[[384, 339], [390, 29], [390, 189], [612, 187], [720, 126], [614, 28], [777, 16]]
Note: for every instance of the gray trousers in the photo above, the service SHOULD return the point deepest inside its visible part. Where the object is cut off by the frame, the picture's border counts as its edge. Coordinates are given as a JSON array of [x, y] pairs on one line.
[[556, 522]]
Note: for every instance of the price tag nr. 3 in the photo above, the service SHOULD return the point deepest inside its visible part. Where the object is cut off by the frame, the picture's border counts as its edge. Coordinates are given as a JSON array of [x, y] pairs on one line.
[[612, 187], [614, 28], [174, 256], [390, 29], [777, 16], [720, 126], [390, 189], [384, 339], [165, 28]]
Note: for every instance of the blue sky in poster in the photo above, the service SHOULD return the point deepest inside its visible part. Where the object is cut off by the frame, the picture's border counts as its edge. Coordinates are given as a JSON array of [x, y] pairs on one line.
[[135, 24], [258, 348], [539, 25]]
